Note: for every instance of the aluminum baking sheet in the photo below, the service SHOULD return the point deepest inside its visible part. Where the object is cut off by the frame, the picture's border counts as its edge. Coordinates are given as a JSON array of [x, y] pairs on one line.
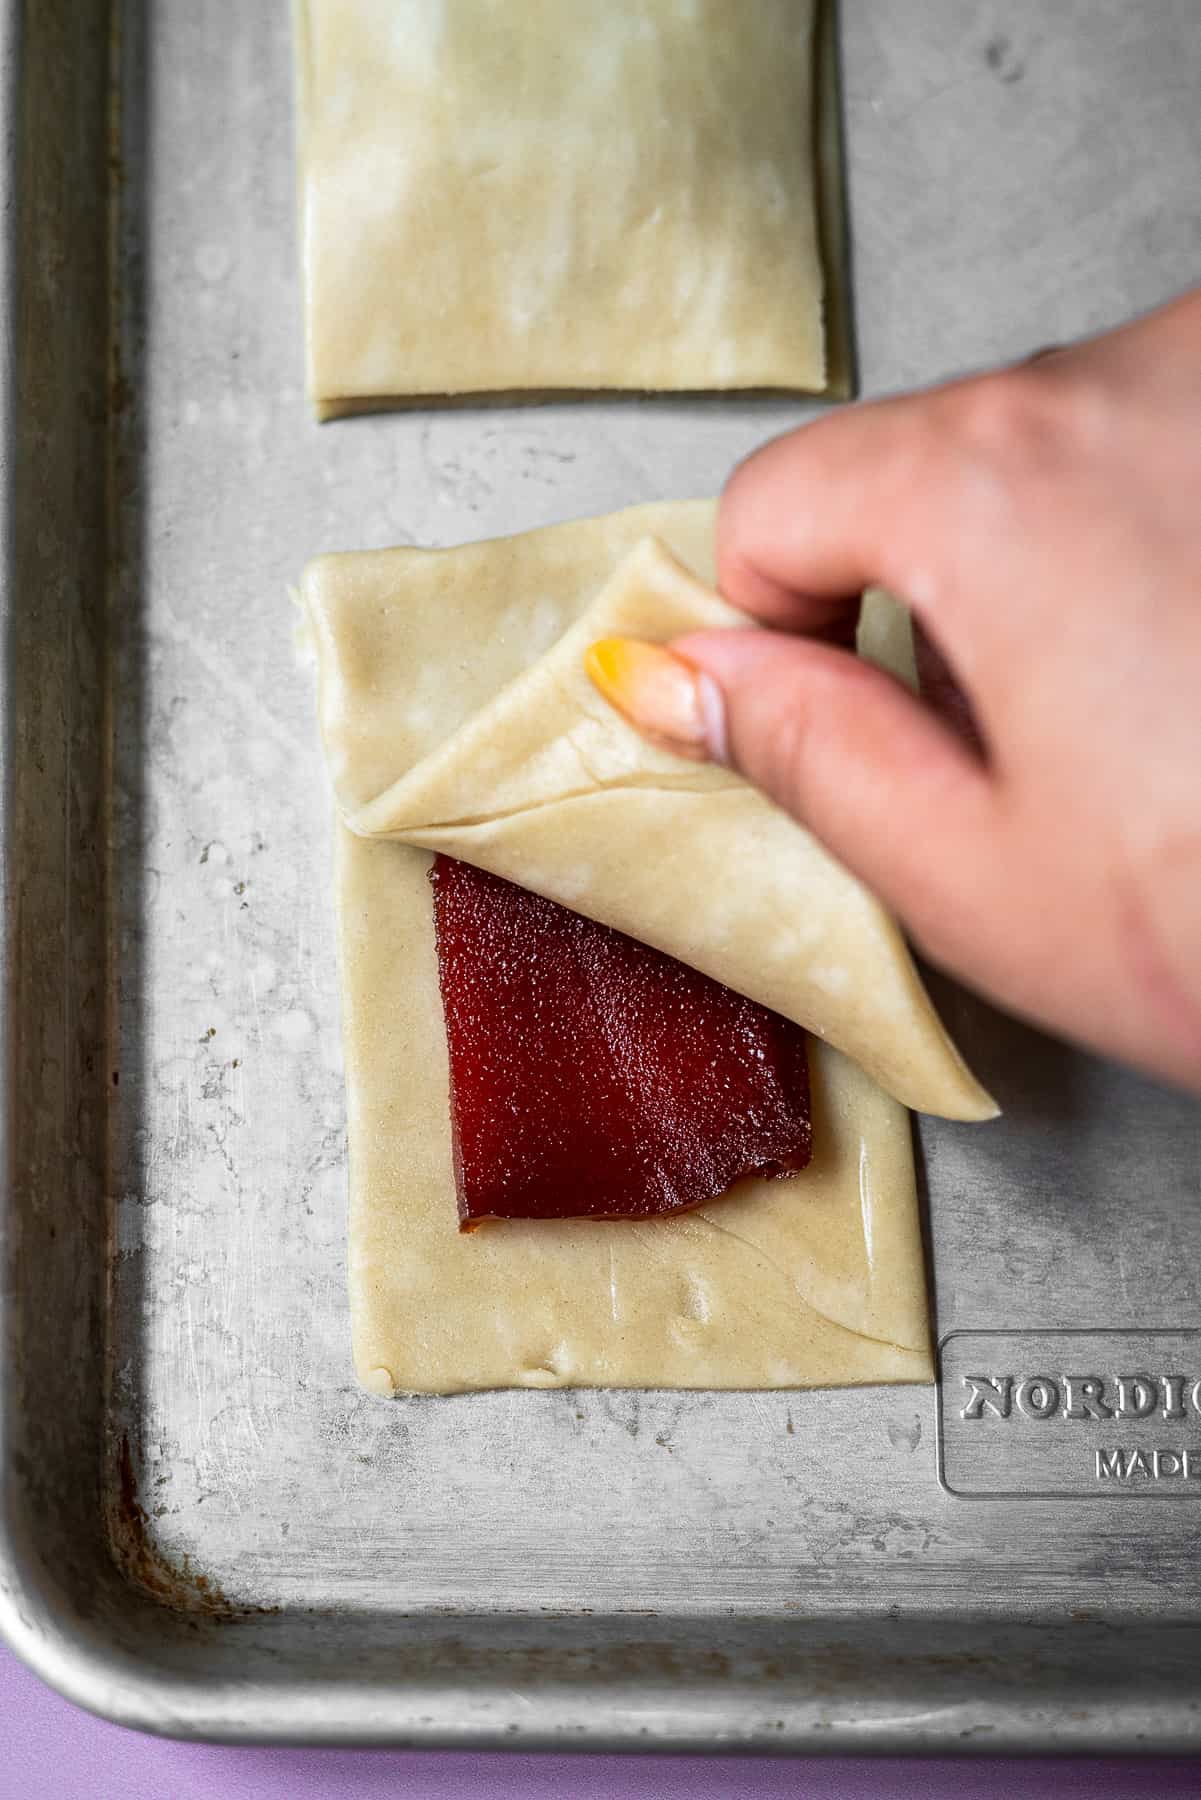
[[207, 1528]]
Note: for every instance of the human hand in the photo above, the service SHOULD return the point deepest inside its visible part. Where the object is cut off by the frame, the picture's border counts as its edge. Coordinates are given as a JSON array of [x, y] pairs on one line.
[[1044, 524]]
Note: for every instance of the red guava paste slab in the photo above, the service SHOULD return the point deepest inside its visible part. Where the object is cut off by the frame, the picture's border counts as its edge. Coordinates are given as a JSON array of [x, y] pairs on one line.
[[592, 1077]]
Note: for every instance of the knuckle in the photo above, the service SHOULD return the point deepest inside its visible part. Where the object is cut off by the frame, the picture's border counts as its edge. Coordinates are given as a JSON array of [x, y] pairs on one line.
[[1021, 419], [999, 416]]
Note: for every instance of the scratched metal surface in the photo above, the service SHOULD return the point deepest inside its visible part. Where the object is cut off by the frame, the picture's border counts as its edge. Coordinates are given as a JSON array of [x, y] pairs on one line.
[[1018, 174]]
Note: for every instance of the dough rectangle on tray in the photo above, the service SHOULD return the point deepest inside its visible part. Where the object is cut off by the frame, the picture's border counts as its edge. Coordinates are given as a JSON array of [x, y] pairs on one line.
[[508, 196], [812, 1282]]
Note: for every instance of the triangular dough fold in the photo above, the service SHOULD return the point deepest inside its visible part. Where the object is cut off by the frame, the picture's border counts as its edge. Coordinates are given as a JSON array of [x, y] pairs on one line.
[[548, 786]]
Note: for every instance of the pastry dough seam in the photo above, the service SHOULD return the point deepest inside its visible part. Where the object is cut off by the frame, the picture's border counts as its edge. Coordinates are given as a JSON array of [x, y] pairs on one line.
[[757, 1250], [690, 787]]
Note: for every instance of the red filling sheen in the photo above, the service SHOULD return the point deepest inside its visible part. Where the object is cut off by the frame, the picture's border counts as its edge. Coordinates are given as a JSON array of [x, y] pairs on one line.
[[592, 1077]]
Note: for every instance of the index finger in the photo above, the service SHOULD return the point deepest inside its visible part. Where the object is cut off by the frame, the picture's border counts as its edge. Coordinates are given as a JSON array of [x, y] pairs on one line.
[[811, 519]]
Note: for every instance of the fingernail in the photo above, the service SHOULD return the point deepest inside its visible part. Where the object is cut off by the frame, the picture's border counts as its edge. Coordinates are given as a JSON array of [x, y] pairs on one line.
[[662, 696]]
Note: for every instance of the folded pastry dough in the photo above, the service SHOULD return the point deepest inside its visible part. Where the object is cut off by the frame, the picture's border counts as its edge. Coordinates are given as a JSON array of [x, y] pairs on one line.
[[810, 1282], [507, 195], [548, 786]]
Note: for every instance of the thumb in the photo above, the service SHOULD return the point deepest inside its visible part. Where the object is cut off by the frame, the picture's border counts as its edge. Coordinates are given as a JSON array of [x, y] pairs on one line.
[[858, 760]]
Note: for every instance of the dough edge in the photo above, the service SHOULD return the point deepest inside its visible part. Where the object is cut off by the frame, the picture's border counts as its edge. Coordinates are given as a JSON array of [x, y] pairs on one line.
[[375, 615]]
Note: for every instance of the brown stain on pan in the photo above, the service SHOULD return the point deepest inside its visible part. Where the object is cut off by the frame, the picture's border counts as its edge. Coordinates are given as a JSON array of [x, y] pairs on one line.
[[178, 1587]]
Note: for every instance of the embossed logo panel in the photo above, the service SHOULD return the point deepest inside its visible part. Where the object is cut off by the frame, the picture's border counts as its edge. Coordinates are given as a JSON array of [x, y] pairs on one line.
[[1100, 1414]]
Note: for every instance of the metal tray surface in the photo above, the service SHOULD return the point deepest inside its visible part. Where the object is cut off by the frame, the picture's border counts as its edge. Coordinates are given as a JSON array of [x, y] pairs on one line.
[[207, 1529]]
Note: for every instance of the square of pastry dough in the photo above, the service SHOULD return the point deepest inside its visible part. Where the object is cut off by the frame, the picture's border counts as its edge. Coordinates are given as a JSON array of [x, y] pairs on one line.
[[808, 1282], [541, 196]]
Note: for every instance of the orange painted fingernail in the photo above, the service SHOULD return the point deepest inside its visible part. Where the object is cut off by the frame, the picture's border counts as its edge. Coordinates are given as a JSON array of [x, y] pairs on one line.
[[661, 695]]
